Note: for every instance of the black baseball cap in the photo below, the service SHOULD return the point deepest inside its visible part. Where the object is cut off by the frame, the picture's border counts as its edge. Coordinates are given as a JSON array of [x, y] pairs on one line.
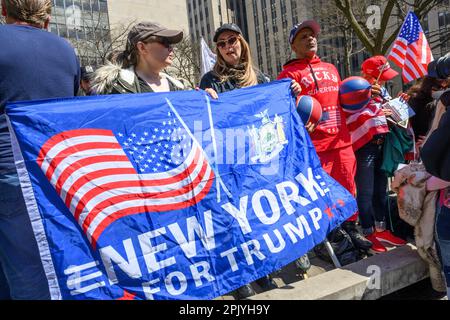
[[86, 72], [226, 27], [440, 68]]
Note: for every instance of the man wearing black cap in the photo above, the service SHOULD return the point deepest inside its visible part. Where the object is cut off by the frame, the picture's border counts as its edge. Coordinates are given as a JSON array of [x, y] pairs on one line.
[[331, 137]]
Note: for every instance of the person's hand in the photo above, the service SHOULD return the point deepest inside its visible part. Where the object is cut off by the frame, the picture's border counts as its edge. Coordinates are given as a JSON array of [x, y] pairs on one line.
[[420, 141], [310, 127], [404, 96], [212, 93], [296, 88], [376, 90], [387, 112]]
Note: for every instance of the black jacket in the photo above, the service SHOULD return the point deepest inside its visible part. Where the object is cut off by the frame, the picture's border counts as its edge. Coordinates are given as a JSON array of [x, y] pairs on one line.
[[436, 151], [209, 80]]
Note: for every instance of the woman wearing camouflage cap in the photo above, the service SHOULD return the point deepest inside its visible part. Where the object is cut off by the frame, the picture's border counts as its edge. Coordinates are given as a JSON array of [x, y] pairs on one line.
[[138, 69]]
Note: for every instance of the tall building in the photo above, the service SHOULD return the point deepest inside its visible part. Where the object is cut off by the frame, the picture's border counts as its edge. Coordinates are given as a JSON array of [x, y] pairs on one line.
[[85, 24], [170, 13], [205, 16], [269, 24], [437, 28]]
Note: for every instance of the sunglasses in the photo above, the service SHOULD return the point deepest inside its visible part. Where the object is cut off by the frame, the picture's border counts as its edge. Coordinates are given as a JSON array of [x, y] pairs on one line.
[[163, 41], [223, 43]]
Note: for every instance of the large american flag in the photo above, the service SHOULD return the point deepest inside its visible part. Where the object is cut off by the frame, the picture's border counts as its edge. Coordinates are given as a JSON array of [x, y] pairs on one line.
[[102, 177], [411, 51]]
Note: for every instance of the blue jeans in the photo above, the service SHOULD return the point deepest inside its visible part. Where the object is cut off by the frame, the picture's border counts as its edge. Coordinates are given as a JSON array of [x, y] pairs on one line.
[[21, 273], [371, 184], [443, 241]]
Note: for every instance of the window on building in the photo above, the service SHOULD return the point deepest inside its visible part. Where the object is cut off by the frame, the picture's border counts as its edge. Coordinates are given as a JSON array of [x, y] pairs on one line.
[[103, 6], [441, 19], [274, 26], [273, 9]]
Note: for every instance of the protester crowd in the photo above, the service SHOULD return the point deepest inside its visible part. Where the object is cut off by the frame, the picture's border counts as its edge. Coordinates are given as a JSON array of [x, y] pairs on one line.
[[35, 64]]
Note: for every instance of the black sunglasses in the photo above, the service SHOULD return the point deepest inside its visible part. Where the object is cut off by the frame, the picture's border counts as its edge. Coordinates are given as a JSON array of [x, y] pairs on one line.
[[164, 41], [230, 41]]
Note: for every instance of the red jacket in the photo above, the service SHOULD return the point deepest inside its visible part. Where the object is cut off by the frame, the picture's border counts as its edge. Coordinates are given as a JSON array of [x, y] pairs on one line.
[[332, 132]]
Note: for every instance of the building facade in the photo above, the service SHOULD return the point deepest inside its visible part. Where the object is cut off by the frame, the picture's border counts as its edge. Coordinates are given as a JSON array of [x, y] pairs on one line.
[[269, 25], [437, 28], [85, 24], [170, 13], [205, 16], [97, 27]]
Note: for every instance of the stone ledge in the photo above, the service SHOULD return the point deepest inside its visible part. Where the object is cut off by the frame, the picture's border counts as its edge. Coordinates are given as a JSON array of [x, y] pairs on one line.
[[396, 269]]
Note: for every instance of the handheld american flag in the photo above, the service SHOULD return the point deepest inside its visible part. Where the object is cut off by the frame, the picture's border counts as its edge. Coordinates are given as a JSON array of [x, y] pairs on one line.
[[102, 176], [411, 51]]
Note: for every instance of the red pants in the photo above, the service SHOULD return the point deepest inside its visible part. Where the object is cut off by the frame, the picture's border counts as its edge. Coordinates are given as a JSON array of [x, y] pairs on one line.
[[341, 165]]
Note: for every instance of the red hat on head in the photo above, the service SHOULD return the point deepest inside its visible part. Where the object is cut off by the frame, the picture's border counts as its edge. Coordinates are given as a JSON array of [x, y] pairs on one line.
[[376, 65]]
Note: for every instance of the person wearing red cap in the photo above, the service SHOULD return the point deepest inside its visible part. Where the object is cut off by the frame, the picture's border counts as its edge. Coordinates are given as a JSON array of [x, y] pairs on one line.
[[330, 137], [371, 181]]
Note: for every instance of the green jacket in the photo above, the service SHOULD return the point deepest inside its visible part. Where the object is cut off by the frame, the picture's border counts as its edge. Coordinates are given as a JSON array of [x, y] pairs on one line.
[[396, 144]]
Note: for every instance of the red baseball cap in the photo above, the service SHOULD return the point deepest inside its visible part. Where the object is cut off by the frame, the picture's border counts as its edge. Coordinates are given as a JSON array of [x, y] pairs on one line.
[[376, 64]]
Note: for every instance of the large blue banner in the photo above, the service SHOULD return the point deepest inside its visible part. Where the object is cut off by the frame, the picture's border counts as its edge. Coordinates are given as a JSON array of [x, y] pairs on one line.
[[171, 195]]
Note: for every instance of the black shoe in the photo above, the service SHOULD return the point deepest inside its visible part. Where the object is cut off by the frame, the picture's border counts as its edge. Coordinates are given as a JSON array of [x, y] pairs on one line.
[[266, 283], [357, 238], [303, 263], [244, 292]]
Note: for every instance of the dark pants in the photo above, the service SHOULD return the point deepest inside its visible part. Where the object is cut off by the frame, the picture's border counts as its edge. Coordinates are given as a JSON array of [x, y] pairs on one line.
[[21, 272], [443, 240], [371, 184]]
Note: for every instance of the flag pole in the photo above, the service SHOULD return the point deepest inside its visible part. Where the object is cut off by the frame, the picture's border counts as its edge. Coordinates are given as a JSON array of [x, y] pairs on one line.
[[219, 181]]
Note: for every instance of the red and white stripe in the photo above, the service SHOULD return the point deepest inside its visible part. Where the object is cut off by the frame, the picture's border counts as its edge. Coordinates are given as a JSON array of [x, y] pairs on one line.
[[334, 118], [95, 179], [413, 58], [364, 124]]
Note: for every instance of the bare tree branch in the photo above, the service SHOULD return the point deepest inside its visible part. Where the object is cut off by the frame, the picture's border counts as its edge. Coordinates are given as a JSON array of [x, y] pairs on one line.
[[338, 39], [186, 65], [101, 40], [384, 22], [392, 10]]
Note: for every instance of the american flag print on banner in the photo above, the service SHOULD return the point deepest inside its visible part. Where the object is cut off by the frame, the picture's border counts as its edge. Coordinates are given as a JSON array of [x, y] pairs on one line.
[[411, 51], [102, 177]]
